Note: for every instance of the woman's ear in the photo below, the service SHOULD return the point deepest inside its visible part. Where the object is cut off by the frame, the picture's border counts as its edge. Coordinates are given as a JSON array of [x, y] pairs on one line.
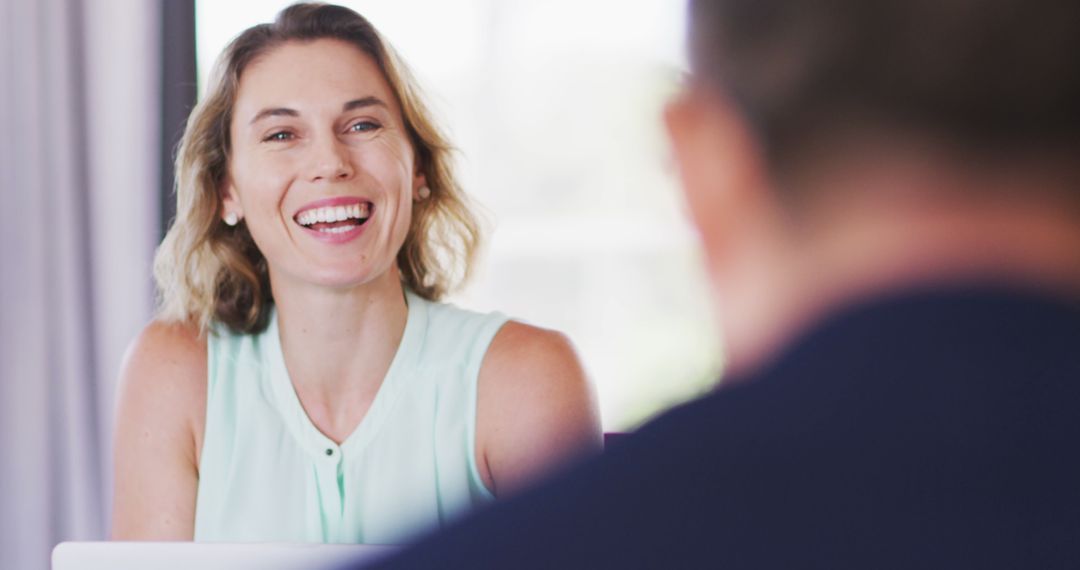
[[420, 191], [231, 209]]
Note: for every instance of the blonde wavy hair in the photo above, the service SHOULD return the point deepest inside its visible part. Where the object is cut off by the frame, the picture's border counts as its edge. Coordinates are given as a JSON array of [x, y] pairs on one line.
[[207, 271]]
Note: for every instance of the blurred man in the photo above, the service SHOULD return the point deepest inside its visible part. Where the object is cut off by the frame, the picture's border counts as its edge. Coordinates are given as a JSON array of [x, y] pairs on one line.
[[888, 195]]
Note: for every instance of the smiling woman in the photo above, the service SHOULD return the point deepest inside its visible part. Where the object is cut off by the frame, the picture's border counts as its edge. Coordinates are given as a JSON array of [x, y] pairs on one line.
[[302, 381], [316, 127]]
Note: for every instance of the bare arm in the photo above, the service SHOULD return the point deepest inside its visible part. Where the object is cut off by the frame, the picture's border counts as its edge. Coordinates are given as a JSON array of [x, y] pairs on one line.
[[160, 417], [535, 408]]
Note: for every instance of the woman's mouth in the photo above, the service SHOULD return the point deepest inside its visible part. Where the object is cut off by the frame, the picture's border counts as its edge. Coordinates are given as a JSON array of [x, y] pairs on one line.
[[335, 219]]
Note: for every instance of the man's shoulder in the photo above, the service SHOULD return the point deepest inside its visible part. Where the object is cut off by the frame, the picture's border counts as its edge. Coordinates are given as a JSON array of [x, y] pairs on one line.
[[929, 426]]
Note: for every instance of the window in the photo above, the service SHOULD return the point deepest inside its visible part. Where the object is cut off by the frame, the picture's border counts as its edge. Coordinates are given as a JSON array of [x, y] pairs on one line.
[[555, 107]]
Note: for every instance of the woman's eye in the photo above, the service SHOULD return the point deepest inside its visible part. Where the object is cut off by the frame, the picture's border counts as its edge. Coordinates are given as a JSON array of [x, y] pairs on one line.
[[363, 126], [279, 136]]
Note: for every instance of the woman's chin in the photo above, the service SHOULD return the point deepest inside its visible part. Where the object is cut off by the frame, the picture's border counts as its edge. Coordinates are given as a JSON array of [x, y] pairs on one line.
[[344, 278], [335, 275]]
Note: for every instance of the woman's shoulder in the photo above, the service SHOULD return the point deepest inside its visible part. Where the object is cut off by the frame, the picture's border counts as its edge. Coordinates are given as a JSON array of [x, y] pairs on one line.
[[452, 332], [507, 340], [168, 347], [163, 376], [159, 422], [448, 313], [534, 395], [543, 353]]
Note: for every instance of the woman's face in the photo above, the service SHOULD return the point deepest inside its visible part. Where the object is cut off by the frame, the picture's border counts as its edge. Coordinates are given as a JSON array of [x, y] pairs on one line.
[[321, 168]]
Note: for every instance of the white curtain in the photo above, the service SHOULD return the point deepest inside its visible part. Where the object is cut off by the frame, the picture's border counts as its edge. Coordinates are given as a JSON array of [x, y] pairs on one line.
[[78, 196]]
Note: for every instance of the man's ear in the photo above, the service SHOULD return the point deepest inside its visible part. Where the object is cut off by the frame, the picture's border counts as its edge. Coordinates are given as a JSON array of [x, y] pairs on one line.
[[719, 164]]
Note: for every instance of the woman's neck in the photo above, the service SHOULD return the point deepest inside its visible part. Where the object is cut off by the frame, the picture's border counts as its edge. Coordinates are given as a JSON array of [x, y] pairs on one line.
[[338, 345]]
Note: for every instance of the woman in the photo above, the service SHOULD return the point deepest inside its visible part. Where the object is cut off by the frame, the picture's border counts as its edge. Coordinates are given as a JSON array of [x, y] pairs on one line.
[[302, 383]]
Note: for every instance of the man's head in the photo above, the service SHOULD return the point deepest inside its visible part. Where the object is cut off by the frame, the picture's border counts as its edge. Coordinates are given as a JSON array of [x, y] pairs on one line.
[[810, 125], [994, 76]]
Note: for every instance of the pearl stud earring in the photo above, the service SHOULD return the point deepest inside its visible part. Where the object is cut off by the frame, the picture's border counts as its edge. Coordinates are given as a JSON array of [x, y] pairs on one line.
[[424, 192], [232, 219]]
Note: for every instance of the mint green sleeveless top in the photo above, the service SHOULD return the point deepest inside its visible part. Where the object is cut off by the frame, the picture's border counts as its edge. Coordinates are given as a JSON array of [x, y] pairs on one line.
[[268, 474]]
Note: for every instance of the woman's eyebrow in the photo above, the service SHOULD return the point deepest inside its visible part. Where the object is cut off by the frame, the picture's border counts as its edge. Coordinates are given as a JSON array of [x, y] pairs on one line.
[[287, 112], [363, 102], [275, 112]]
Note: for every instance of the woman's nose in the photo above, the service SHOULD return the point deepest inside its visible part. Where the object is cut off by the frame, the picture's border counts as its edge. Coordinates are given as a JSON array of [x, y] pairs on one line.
[[331, 160]]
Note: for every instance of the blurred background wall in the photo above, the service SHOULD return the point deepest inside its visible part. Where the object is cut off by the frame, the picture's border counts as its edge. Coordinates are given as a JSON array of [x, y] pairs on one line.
[[554, 106], [79, 192]]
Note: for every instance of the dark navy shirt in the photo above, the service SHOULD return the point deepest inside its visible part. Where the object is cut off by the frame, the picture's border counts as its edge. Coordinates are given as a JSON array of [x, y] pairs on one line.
[[934, 429]]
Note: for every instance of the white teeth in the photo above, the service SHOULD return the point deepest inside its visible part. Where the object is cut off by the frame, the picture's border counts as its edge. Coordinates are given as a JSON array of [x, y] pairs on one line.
[[337, 230], [333, 214]]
